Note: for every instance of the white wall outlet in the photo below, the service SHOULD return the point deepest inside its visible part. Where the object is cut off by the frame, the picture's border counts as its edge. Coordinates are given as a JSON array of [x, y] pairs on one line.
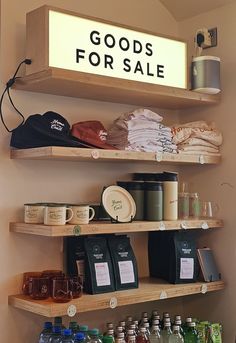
[[206, 38]]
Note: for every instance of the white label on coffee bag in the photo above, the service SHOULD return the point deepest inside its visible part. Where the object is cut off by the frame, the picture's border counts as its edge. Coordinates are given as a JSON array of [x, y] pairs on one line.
[[186, 268], [102, 274], [126, 270]]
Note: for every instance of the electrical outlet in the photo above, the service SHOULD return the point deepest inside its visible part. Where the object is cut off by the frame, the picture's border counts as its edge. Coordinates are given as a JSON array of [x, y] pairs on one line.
[[213, 35], [206, 38]]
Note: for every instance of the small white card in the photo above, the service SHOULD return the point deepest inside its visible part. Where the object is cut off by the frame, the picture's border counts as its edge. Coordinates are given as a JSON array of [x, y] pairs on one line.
[[126, 270], [102, 274], [186, 268]]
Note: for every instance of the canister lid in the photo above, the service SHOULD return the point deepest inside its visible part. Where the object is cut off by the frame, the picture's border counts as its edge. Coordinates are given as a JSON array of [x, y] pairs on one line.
[[135, 185], [206, 58], [144, 176], [153, 186], [170, 176]]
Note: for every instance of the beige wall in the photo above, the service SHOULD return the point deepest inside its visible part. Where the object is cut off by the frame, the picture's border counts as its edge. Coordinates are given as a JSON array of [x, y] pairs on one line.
[[28, 181], [218, 183]]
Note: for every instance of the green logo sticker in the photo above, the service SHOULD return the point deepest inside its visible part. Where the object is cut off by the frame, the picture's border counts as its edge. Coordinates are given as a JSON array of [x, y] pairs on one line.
[[77, 230]]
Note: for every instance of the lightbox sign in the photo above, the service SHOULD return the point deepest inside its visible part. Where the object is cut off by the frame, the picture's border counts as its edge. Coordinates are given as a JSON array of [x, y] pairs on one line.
[[94, 47]]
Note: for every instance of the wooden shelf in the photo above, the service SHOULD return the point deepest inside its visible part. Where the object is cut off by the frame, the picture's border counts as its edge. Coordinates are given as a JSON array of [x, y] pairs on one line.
[[84, 154], [77, 84], [149, 290], [94, 228]]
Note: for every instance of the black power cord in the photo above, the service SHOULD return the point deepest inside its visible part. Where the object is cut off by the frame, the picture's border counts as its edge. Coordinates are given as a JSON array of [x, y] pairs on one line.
[[9, 84]]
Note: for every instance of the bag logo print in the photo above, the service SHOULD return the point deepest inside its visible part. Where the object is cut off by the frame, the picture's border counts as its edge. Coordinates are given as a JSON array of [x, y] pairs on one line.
[[57, 125]]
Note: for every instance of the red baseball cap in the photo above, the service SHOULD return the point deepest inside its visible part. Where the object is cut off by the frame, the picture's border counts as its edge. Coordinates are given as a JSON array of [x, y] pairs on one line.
[[92, 132]]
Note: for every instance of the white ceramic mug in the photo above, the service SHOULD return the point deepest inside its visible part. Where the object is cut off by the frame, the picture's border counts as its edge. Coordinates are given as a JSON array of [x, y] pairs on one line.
[[56, 214], [81, 214], [34, 213]]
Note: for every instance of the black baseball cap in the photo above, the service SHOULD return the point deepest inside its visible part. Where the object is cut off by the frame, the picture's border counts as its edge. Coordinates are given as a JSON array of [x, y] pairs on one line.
[[48, 129]]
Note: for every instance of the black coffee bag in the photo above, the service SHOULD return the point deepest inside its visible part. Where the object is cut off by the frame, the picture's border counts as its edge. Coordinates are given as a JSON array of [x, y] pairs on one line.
[[173, 256], [124, 262], [74, 253], [98, 266]]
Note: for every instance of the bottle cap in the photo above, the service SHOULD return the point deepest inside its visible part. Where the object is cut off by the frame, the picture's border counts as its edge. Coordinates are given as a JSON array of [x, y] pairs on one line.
[[122, 323], [154, 313], [136, 322], [144, 314], [79, 336], [166, 315], [192, 325], [129, 319], [47, 325], [83, 328], [94, 332], [56, 329], [132, 326], [110, 325], [67, 332], [177, 317], [107, 339], [157, 317], [188, 320]]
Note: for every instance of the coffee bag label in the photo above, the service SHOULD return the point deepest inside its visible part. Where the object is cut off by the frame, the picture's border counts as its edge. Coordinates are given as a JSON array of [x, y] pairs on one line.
[[102, 274], [126, 270], [186, 268]]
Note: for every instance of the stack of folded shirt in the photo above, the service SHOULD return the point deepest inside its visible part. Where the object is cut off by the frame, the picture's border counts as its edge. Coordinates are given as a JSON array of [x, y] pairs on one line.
[[141, 130], [197, 138]]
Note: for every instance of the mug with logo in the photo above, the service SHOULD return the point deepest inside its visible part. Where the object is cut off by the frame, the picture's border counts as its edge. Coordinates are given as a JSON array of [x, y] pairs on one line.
[[81, 214], [55, 214], [34, 213]]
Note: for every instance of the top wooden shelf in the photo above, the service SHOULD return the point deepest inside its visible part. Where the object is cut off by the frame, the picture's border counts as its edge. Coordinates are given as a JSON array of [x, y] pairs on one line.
[[84, 154], [82, 85]]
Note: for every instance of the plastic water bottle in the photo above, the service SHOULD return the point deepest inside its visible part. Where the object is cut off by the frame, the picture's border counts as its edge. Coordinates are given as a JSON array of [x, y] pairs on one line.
[[191, 335], [67, 336], [79, 338], [56, 335], [46, 333], [176, 336]]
